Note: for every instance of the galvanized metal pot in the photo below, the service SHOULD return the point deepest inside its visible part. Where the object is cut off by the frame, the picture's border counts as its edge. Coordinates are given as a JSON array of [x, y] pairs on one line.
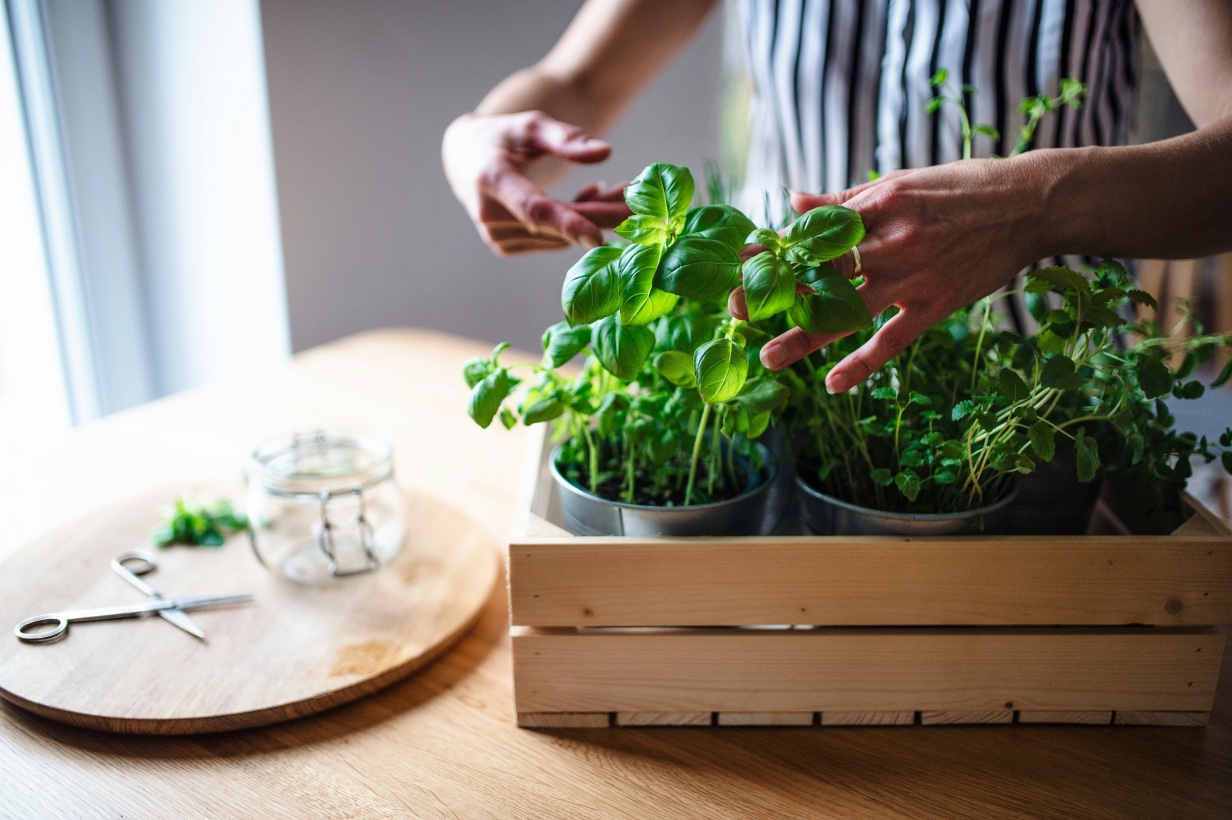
[[587, 514], [826, 515]]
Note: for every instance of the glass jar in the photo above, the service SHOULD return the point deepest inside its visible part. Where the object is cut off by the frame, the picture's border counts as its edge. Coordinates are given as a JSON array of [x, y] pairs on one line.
[[324, 505]]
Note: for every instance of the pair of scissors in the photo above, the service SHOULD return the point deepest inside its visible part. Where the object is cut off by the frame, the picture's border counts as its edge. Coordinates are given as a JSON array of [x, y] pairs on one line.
[[128, 566]]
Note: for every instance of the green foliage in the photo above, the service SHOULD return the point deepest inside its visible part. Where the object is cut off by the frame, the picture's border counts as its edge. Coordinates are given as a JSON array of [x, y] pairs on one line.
[[187, 522], [672, 394], [945, 425]]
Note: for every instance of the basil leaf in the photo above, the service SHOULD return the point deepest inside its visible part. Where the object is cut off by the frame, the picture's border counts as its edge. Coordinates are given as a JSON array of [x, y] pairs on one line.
[[487, 395], [721, 368], [767, 238], [542, 410], [758, 424], [722, 223], [769, 286], [676, 367], [592, 287], [823, 233], [699, 268], [643, 302], [762, 395], [662, 191], [476, 370], [643, 230], [1153, 377], [836, 307], [1043, 440], [561, 343], [621, 350]]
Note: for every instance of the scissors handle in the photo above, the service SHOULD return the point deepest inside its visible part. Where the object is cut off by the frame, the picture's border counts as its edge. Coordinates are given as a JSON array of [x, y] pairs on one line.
[[128, 565], [28, 630]]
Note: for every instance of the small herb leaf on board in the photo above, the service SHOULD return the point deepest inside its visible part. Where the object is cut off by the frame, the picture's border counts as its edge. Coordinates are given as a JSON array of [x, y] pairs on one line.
[[721, 367], [192, 524]]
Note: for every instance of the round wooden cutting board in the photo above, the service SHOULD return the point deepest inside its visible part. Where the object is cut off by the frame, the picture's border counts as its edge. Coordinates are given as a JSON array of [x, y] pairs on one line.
[[294, 651]]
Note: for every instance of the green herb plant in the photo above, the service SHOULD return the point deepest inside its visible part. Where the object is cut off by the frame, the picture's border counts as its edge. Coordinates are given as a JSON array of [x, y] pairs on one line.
[[952, 420], [205, 525], [671, 395]]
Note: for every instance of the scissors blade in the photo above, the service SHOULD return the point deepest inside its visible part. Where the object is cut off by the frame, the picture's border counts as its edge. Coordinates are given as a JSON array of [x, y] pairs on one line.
[[181, 619], [207, 601]]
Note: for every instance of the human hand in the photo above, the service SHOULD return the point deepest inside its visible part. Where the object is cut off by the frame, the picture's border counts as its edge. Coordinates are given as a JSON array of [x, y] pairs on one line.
[[936, 239], [486, 159]]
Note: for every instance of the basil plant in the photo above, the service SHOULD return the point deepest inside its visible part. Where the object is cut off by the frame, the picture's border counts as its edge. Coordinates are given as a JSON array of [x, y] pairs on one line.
[[671, 396]]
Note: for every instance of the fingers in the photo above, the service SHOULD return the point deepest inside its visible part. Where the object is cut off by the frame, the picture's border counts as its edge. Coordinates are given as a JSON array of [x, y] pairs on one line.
[[804, 202], [510, 238], [893, 338], [736, 305], [599, 192], [568, 141], [533, 208], [793, 346], [603, 214]]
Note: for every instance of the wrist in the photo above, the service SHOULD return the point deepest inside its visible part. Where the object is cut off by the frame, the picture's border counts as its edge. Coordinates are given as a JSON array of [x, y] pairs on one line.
[[1063, 221]]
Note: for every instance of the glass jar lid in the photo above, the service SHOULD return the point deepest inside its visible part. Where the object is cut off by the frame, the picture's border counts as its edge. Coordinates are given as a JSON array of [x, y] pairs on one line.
[[305, 466]]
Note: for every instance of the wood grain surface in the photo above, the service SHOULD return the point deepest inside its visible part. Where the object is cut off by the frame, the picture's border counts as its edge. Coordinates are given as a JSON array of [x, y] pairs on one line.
[[295, 650], [444, 742]]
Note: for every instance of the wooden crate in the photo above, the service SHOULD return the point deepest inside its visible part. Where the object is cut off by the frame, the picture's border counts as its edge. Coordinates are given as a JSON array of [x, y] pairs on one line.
[[805, 630]]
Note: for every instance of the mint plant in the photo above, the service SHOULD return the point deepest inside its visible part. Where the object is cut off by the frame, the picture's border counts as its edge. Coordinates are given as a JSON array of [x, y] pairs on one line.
[[952, 420], [672, 396]]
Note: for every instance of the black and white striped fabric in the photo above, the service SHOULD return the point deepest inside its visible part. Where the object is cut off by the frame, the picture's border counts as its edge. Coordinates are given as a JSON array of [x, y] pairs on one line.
[[841, 87]]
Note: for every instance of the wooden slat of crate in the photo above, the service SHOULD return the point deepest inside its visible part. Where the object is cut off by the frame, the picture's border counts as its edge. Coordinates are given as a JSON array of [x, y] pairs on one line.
[[765, 719], [564, 720], [1093, 718], [865, 670], [1128, 718], [950, 718], [834, 718], [663, 718], [1110, 580]]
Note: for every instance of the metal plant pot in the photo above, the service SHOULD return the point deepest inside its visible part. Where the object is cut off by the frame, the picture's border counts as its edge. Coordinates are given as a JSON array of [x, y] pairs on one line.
[[826, 515], [587, 514], [1052, 501]]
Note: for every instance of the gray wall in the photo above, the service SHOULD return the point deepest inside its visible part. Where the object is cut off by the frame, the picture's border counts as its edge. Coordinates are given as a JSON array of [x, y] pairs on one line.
[[360, 93]]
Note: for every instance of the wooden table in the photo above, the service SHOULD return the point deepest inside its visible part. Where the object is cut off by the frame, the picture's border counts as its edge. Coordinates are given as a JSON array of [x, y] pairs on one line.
[[443, 743]]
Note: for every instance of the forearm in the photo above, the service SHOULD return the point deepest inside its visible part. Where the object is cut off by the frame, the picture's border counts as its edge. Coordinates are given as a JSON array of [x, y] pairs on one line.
[[1165, 200]]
